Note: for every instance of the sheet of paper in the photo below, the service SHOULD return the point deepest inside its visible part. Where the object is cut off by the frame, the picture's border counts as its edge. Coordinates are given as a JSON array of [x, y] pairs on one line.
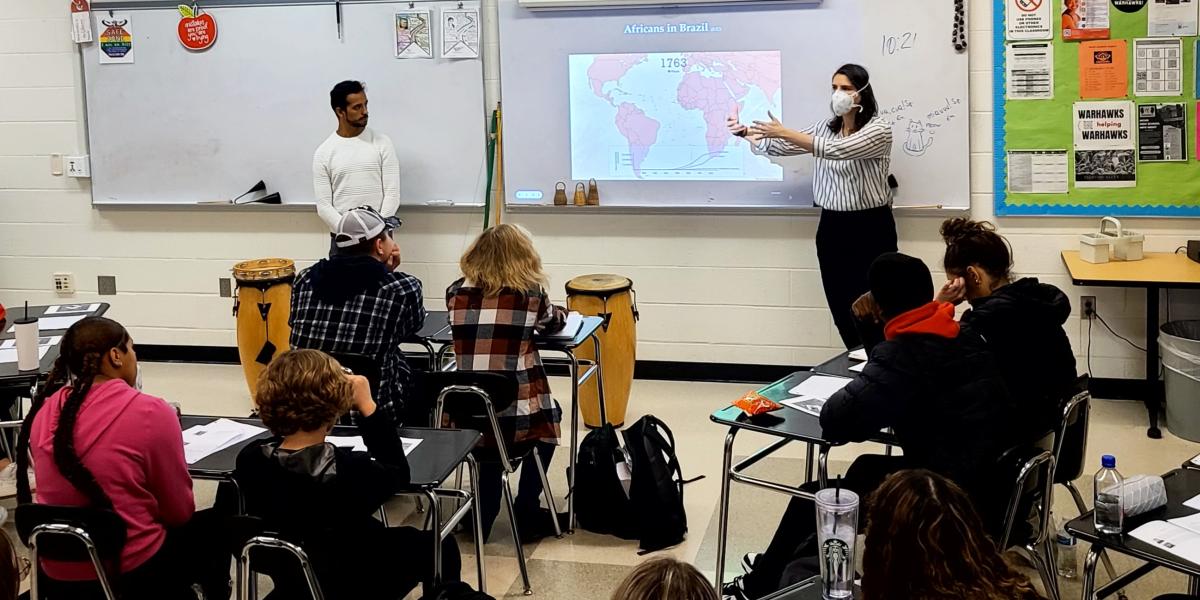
[[860, 354], [1158, 67], [806, 404], [410, 444], [45, 340], [1190, 522], [1028, 20], [116, 36], [1037, 171], [202, 441], [1088, 21], [54, 323], [81, 27], [819, 386], [460, 33], [1196, 67], [1194, 501], [72, 309], [414, 38], [1170, 537], [1030, 67], [1171, 17], [9, 355], [857, 368], [356, 443], [1162, 132], [1104, 144], [570, 328], [1104, 69]]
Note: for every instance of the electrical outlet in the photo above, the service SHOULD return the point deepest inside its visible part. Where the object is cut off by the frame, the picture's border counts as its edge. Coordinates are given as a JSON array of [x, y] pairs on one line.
[[1087, 305], [64, 283], [106, 285], [226, 287]]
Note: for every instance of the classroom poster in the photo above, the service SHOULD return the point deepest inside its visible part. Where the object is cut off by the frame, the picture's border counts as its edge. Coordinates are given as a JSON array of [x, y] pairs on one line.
[[413, 36], [1158, 67], [460, 33], [1103, 69], [1162, 132], [1104, 144], [1037, 171], [1171, 17], [1029, 20], [116, 37], [1030, 71], [1084, 20]]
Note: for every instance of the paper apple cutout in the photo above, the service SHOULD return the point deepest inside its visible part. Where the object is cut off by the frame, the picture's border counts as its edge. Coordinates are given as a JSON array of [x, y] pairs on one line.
[[197, 29]]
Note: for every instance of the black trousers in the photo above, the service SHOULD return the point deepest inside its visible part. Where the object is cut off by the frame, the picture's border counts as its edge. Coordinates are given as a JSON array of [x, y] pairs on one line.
[[796, 535], [529, 487], [847, 243], [191, 555]]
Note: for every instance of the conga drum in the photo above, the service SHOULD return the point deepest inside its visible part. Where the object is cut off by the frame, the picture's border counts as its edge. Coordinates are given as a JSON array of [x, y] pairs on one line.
[[610, 297], [262, 308]]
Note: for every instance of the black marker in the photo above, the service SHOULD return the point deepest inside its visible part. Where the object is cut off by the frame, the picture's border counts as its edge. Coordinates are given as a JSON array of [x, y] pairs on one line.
[[338, 7]]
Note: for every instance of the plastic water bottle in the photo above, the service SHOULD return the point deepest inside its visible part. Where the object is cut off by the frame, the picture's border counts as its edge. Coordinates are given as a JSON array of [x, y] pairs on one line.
[[1068, 560], [1110, 510]]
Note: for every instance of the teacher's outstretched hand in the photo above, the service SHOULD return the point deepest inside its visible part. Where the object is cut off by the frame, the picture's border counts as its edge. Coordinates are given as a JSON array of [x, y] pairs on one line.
[[771, 129]]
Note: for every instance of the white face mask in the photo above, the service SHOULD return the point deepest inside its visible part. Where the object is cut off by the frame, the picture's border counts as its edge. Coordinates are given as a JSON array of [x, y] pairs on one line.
[[843, 101], [137, 383]]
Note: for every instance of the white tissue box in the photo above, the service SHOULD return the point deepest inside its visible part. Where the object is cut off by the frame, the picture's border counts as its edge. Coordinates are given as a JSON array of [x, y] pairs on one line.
[[1095, 247]]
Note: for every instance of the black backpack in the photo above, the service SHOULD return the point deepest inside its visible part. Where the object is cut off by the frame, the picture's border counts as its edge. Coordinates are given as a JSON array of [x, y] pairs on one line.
[[656, 491], [600, 501]]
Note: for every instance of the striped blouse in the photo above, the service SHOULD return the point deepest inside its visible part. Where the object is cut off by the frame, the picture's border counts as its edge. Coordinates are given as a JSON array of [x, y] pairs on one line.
[[851, 171]]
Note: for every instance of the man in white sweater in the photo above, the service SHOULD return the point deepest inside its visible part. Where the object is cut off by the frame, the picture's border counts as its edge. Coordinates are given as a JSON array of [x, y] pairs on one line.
[[354, 166]]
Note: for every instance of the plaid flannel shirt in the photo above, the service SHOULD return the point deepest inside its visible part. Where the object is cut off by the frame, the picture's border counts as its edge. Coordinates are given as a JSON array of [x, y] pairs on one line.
[[372, 323], [495, 333]]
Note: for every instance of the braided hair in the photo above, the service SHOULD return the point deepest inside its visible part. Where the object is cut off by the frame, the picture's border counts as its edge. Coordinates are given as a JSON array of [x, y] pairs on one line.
[[83, 350]]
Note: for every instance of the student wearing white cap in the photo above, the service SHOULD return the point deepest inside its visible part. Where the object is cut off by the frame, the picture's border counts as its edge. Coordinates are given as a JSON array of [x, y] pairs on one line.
[[357, 303]]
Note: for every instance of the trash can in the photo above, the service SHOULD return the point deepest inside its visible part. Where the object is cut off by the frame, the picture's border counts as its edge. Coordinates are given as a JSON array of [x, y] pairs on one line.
[[1180, 345]]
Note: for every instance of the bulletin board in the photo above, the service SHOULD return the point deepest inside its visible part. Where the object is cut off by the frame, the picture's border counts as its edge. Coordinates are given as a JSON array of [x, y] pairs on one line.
[[1162, 189]]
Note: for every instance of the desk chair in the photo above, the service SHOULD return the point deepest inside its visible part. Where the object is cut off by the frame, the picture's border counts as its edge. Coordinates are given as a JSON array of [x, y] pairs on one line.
[[251, 538], [472, 400], [74, 534], [1027, 525]]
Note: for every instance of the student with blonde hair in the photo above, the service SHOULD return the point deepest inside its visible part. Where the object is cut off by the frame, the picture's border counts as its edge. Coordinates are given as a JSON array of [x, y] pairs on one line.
[[665, 579], [495, 309]]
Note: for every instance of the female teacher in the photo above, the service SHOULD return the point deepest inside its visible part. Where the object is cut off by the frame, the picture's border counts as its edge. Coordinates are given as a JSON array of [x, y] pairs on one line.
[[850, 185]]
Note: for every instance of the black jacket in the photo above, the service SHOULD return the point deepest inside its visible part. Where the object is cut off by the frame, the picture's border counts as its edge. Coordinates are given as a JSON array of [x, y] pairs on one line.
[[1022, 324], [942, 396]]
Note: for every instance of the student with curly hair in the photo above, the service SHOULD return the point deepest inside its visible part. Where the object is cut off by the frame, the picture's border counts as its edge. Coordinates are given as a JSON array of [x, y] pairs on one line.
[[97, 441], [925, 540], [1020, 319], [326, 497]]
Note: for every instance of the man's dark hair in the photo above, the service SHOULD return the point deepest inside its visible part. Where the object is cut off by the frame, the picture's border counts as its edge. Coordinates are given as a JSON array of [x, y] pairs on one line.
[[900, 283], [337, 96]]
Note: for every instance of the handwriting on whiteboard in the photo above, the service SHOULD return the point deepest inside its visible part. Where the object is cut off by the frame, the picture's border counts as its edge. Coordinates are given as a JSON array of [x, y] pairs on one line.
[[898, 43], [917, 125]]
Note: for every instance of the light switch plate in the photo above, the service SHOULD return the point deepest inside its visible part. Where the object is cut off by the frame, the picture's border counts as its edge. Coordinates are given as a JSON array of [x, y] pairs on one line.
[[64, 283], [56, 164], [79, 166]]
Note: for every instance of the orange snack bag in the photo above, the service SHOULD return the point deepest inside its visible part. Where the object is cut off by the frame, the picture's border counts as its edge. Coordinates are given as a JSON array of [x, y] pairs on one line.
[[753, 403]]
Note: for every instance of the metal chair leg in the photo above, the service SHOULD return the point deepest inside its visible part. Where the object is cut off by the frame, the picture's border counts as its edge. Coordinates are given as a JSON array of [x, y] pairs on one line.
[[512, 519], [541, 469], [383, 518], [477, 523], [241, 577], [1048, 569]]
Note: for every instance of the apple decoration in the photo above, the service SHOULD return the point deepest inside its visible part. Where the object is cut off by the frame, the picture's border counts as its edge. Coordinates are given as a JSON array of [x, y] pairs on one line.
[[197, 29]]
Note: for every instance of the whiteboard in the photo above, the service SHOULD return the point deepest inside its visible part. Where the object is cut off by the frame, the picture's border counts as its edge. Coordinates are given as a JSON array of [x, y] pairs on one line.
[[177, 127], [919, 80]]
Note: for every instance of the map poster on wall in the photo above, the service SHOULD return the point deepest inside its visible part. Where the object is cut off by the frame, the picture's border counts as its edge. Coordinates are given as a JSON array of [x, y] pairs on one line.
[[1162, 132], [1103, 69], [413, 39], [1158, 67], [1085, 20], [1029, 20], [1104, 144]]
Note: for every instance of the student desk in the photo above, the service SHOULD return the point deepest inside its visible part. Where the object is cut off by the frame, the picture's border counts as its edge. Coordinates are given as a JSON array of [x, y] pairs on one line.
[[809, 589], [441, 452], [567, 348], [436, 321], [787, 424], [838, 366], [1158, 271], [26, 381], [1182, 484]]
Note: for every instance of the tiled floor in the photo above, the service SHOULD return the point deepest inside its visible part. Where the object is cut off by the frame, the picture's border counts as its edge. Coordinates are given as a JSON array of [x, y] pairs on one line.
[[588, 566]]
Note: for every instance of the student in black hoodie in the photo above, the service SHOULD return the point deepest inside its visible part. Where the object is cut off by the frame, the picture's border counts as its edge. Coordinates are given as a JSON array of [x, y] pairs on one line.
[[936, 387], [1021, 321], [357, 303], [326, 497]]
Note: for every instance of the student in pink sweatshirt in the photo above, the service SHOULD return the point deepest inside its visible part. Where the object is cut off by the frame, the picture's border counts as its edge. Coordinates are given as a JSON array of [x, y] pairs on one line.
[[97, 441]]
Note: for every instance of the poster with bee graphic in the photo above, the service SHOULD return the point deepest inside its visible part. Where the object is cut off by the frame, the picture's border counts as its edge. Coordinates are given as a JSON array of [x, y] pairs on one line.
[[116, 37]]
